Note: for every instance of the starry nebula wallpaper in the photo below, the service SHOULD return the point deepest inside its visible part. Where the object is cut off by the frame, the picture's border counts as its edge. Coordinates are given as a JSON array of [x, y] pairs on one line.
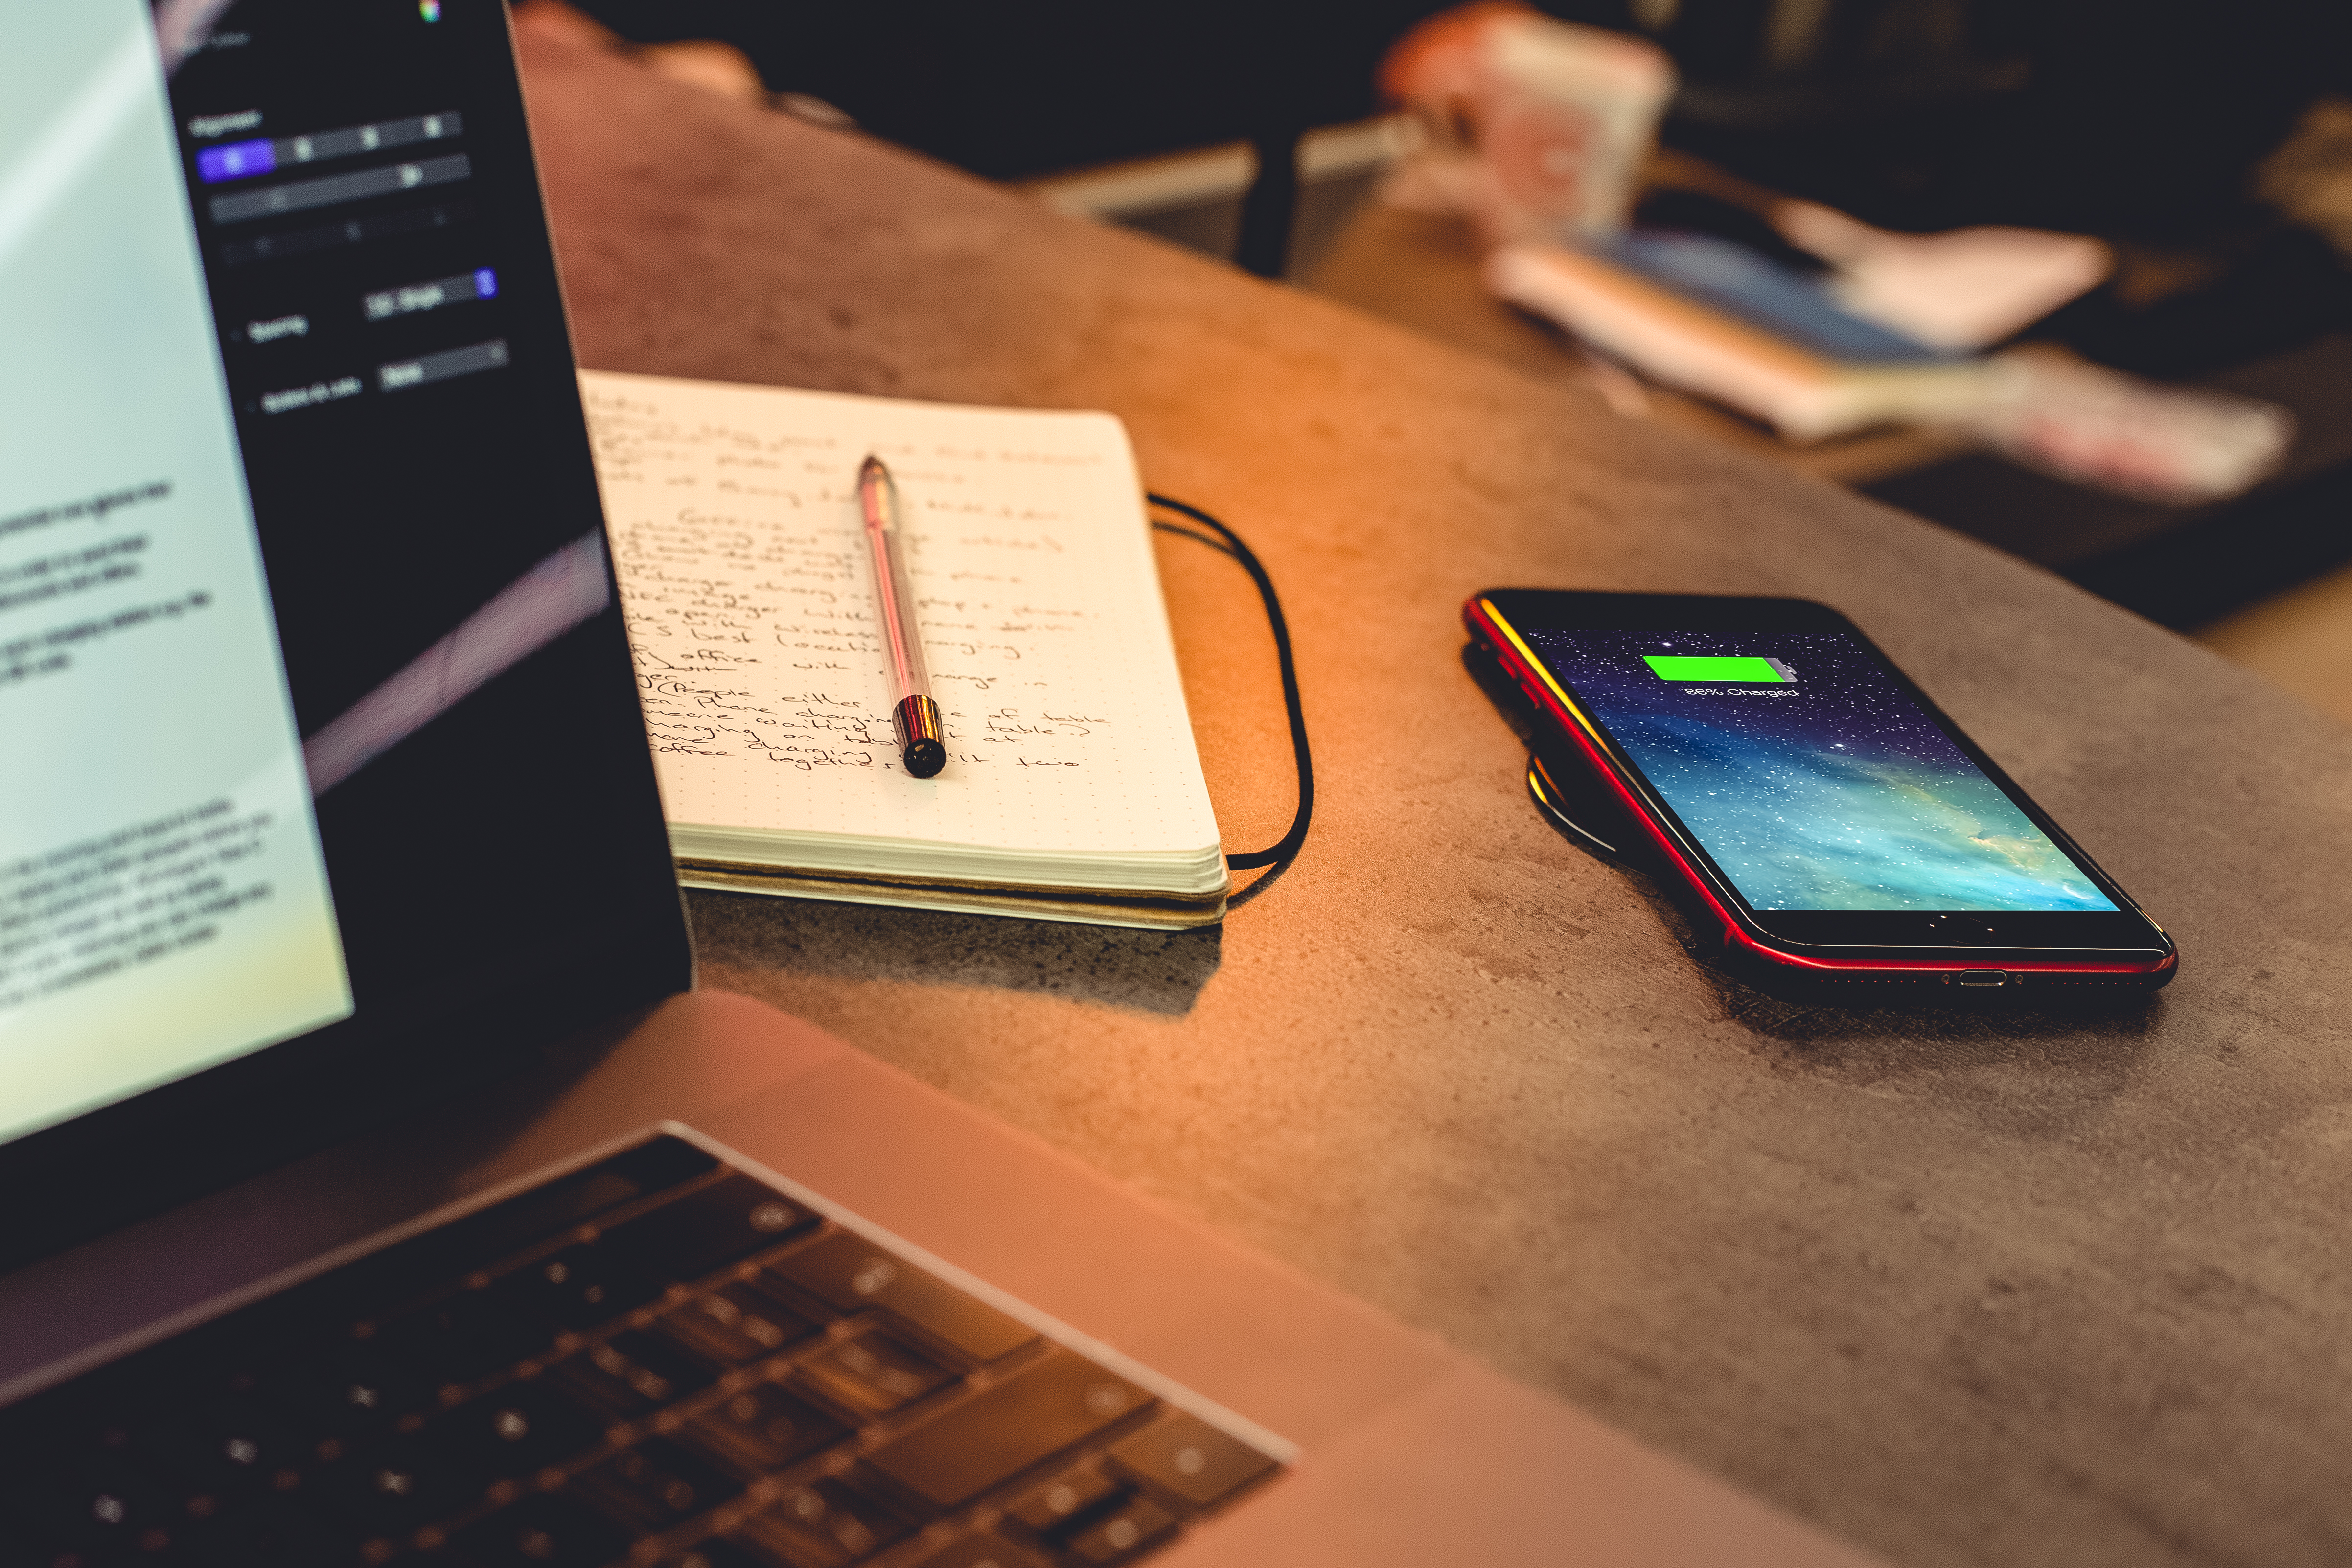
[[1821, 787]]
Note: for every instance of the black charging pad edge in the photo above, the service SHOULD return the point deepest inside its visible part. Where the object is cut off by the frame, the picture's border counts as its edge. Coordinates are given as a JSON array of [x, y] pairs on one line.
[[1562, 786]]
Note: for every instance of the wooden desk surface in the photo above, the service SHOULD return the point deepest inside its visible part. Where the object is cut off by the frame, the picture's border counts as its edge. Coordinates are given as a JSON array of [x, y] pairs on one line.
[[1966, 1291]]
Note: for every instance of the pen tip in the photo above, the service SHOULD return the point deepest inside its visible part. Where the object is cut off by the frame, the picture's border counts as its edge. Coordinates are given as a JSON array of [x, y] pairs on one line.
[[872, 465], [925, 757]]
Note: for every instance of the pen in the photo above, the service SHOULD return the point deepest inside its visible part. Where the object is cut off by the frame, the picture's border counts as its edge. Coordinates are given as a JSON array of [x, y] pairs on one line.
[[922, 743]]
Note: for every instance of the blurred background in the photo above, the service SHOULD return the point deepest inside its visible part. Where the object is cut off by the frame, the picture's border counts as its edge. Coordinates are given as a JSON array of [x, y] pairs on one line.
[[2208, 145]]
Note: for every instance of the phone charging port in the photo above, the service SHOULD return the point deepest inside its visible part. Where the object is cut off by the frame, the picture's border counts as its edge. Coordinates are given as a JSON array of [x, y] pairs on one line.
[[1984, 977]]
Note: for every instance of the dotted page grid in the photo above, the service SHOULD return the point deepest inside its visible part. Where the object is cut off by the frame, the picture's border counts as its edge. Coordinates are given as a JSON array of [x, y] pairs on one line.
[[750, 600]]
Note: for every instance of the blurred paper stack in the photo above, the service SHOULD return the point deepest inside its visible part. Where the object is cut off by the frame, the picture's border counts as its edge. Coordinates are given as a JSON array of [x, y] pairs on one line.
[[1538, 133]]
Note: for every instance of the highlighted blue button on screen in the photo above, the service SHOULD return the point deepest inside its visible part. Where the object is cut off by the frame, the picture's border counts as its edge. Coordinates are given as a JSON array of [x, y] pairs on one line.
[[238, 160]]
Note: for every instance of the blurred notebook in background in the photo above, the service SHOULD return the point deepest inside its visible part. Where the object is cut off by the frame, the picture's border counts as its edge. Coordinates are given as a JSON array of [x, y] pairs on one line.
[[1073, 789], [1714, 317], [1888, 329]]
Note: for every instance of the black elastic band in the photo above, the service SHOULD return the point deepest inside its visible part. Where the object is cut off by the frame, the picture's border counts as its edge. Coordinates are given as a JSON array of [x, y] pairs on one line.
[[1285, 848]]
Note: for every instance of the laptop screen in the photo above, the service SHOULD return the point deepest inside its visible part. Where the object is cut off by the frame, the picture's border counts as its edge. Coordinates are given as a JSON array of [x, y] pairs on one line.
[[321, 731]]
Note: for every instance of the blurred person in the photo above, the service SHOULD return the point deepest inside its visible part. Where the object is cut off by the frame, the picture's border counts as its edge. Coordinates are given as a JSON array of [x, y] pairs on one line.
[[2147, 125]]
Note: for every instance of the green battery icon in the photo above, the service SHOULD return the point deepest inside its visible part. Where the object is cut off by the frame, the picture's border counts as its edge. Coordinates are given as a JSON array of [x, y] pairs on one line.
[[1755, 671]]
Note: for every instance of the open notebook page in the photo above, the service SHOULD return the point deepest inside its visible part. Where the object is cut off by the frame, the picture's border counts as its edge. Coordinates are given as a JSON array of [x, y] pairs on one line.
[[733, 514]]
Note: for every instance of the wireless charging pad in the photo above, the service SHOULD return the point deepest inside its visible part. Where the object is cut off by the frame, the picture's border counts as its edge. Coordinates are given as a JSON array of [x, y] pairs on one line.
[[1571, 810]]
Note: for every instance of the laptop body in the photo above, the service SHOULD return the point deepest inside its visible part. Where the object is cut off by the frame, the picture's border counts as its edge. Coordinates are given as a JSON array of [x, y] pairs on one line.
[[341, 892]]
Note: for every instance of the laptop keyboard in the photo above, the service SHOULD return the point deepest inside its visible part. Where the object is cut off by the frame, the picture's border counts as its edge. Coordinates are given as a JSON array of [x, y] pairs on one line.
[[657, 1361]]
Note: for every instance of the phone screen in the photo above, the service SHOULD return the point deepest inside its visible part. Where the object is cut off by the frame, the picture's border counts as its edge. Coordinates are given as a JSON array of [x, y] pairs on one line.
[[1810, 776]]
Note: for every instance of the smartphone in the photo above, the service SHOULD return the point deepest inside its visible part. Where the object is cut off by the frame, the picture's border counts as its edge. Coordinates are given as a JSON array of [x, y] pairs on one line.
[[1805, 801]]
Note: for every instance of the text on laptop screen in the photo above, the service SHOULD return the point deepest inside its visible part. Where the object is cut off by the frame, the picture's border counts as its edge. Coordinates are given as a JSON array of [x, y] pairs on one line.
[[158, 859], [308, 658]]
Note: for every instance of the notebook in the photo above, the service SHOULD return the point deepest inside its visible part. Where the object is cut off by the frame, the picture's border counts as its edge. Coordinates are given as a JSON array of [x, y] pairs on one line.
[[1709, 317], [1073, 790]]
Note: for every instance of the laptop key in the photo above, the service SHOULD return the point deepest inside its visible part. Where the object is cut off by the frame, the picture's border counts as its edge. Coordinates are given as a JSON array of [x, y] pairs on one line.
[[715, 1552], [985, 1550], [518, 1428], [541, 1532], [763, 1429], [104, 1504], [992, 1437], [824, 1524], [606, 1378], [467, 1336], [690, 1237], [1186, 1456], [1133, 1526], [849, 1272], [872, 1374], [654, 1485], [1064, 1499], [345, 1392], [396, 1487], [583, 1286], [680, 1369], [632, 1374], [736, 1325], [744, 1550], [227, 1443]]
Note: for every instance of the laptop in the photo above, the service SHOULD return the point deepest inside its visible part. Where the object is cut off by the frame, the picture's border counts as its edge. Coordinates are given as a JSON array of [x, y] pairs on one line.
[[379, 1188]]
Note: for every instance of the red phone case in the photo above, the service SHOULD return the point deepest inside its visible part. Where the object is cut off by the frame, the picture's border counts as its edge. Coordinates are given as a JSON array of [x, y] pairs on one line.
[[1744, 947]]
